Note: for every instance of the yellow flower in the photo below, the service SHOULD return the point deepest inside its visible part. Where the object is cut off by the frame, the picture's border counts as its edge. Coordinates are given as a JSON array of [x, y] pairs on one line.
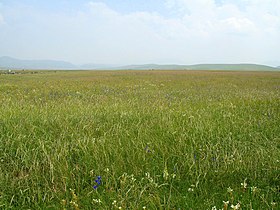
[[63, 202]]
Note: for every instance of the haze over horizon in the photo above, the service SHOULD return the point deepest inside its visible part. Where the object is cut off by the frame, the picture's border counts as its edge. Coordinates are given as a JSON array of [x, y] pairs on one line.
[[138, 32]]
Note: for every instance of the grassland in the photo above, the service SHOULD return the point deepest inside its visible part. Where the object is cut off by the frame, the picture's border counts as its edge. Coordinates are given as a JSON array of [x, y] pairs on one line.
[[140, 139]]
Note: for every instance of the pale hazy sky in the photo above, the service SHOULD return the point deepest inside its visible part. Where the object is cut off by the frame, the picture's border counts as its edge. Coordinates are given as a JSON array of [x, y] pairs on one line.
[[142, 31]]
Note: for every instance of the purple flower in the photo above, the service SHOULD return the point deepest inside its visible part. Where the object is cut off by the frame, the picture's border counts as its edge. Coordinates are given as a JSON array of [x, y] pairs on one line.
[[147, 149]]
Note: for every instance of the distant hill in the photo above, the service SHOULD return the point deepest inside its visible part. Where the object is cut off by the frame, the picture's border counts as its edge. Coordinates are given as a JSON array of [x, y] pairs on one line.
[[230, 67], [233, 67], [151, 66], [12, 63]]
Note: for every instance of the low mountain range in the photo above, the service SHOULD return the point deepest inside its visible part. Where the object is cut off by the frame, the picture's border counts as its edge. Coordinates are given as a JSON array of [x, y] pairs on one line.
[[12, 63], [229, 67]]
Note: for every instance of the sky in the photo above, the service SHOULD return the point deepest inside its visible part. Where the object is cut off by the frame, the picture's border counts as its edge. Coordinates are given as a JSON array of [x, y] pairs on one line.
[[123, 32]]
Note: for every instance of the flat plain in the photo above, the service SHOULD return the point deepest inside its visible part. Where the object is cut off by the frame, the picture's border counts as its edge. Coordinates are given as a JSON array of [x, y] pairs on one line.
[[140, 140]]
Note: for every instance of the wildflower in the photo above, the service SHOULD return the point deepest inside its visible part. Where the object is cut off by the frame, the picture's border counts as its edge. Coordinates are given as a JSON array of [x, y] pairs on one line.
[[214, 208], [254, 189], [114, 203], [75, 205], [226, 204], [147, 149], [63, 202], [144, 207], [235, 207], [195, 157], [98, 182], [231, 194], [96, 200], [229, 190], [244, 184], [190, 189], [74, 196], [133, 179], [273, 204]]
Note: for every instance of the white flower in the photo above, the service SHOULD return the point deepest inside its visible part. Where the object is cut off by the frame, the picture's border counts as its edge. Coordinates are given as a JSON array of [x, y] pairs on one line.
[[244, 184], [235, 207], [229, 190], [273, 204], [147, 174], [254, 189], [226, 203], [96, 200]]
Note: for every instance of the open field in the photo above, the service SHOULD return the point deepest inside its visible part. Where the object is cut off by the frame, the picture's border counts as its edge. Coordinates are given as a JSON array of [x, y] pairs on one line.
[[134, 139]]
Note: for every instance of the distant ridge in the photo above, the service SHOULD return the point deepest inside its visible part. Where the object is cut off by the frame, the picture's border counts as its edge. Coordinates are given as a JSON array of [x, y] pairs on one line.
[[245, 67], [229, 67], [12, 63], [7, 62]]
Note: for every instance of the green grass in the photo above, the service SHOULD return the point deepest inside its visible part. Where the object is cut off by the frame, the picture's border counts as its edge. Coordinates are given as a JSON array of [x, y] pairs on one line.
[[158, 139]]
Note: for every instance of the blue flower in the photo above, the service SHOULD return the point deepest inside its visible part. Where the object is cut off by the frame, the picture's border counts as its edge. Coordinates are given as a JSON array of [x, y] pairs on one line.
[[195, 157], [98, 182]]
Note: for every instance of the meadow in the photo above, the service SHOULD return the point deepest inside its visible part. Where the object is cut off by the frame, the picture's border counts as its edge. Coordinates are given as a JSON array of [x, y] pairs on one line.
[[140, 140]]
